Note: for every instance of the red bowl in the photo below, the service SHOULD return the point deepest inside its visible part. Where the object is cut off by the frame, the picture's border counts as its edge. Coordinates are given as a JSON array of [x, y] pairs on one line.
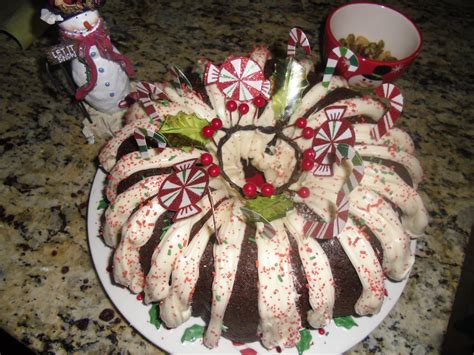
[[375, 22]]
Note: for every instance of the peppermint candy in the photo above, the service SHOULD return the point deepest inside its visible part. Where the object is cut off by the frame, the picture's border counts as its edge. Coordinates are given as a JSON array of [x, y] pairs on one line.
[[239, 79], [336, 130], [297, 36], [394, 96], [183, 189], [328, 230]]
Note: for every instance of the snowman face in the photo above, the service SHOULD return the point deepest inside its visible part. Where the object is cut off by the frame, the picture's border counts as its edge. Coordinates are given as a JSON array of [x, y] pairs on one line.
[[363, 82], [82, 23]]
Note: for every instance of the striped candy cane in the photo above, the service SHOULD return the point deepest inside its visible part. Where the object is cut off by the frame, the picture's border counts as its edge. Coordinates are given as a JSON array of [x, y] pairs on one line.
[[140, 135], [145, 92], [333, 58], [390, 92], [328, 230], [295, 37]]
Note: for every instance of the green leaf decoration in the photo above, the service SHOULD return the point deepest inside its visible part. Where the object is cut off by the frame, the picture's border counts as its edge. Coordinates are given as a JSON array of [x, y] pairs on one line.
[[270, 208], [193, 333], [305, 341], [290, 78], [103, 204], [154, 318], [345, 322], [188, 126]]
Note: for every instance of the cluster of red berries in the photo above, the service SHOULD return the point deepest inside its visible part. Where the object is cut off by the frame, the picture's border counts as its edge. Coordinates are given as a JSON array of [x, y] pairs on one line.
[[213, 170], [209, 130], [250, 190]]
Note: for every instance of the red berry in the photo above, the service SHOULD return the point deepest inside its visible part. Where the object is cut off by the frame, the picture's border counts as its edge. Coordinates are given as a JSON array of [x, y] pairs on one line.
[[301, 122], [243, 108], [307, 165], [309, 154], [207, 131], [308, 133], [216, 123], [267, 189], [139, 297], [213, 170], [303, 192], [206, 159], [250, 190], [231, 106], [259, 101], [321, 331]]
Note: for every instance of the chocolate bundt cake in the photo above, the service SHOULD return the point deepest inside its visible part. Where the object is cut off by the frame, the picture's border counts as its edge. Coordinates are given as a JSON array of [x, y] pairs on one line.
[[261, 277]]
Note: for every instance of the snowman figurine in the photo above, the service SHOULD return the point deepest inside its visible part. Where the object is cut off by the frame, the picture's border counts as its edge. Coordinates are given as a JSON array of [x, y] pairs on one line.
[[370, 80], [100, 72]]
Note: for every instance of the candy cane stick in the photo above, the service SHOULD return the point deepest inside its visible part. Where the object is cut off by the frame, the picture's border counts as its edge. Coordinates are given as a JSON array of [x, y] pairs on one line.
[[145, 92], [140, 135], [328, 230], [295, 37], [392, 93], [333, 58]]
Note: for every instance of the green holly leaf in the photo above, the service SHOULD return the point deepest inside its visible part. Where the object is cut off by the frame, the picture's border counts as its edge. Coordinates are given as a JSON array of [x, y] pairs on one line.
[[305, 341], [102, 204], [188, 126], [345, 322], [270, 208], [193, 333], [290, 78], [154, 318]]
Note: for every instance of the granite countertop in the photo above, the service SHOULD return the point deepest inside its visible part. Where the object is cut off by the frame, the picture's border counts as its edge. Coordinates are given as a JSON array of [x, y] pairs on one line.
[[50, 296]]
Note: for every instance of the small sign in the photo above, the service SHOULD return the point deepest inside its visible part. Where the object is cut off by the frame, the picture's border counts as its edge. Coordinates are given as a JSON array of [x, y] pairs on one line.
[[61, 53]]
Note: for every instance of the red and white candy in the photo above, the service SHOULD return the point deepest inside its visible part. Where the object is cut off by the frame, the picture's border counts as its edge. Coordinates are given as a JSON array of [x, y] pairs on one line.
[[336, 130], [239, 79], [183, 189], [145, 92], [333, 58], [140, 135], [394, 96], [297, 36]]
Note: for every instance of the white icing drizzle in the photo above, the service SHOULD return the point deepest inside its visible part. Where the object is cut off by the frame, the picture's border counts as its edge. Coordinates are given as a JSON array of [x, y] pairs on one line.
[[367, 266], [318, 273], [176, 307], [226, 259], [407, 160], [392, 187], [165, 255], [383, 222], [133, 162], [135, 233], [280, 321], [394, 137], [119, 209], [108, 154]]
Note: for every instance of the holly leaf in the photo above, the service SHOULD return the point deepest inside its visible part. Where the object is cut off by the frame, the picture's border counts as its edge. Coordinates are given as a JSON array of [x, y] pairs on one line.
[[305, 341], [193, 333], [154, 319], [188, 126], [270, 208], [290, 80], [345, 322], [102, 204]]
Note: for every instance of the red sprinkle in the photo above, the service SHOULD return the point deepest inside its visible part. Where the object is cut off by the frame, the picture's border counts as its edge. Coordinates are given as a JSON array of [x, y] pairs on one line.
[[139, 297], [321, 331]]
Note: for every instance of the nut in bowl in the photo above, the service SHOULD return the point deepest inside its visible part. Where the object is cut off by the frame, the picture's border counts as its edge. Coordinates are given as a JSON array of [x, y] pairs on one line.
[[384, 41]]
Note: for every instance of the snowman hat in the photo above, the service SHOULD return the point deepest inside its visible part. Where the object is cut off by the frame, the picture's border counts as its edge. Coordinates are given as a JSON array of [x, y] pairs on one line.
[[378, 72], [61, 10]]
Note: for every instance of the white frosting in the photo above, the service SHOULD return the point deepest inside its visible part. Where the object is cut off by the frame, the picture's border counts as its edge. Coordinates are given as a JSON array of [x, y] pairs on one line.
[[317, 270], [119, 209], [280, 321]]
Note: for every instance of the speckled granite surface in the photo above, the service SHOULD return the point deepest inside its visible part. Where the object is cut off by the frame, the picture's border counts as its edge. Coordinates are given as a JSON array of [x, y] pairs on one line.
[[50, 296]]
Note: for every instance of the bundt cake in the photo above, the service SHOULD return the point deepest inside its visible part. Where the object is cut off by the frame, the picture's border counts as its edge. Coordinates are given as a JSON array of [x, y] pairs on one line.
[[244, 218]]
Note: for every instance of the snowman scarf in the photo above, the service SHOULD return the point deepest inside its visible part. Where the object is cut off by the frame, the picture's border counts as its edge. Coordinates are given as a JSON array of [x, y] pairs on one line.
[[99, 38]]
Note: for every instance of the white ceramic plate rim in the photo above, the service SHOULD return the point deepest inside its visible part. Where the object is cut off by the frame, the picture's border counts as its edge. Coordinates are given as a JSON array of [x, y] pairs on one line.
[[337, 341]]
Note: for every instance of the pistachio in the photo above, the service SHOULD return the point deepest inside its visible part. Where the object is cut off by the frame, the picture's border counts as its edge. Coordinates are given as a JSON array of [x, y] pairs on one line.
[[367, 49]]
